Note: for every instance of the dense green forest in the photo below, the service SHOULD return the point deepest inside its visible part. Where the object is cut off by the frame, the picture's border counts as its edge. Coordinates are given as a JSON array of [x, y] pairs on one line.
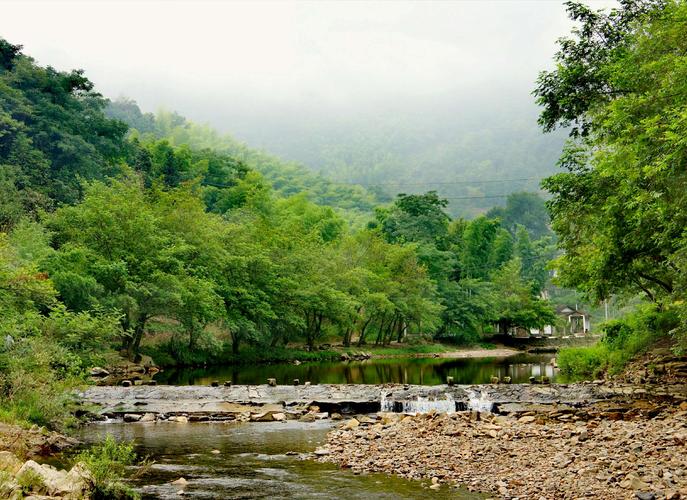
[[287, 178], [171, 239]]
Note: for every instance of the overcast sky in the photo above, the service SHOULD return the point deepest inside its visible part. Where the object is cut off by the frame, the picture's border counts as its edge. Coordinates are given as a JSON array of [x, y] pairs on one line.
[[238, 64]]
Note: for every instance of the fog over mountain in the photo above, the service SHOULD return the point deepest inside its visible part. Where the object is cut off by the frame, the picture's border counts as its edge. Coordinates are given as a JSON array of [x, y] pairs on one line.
[[398, 93]]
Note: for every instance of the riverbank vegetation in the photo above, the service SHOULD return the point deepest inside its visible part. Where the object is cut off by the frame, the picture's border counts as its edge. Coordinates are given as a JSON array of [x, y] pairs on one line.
[[173, 239], [623, 339], [619, 209], [107, 462]]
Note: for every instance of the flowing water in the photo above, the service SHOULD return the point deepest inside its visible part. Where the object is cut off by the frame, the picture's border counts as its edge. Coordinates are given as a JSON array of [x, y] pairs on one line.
[[479, 402], [442, 404], [259, 460], [253, 462], [421, 371]]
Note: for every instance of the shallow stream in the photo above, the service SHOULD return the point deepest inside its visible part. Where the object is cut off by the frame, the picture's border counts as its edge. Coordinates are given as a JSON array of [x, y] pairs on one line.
[[253, 462]]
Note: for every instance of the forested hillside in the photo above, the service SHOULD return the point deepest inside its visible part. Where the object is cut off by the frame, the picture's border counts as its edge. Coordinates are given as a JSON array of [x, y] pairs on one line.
[[286, 178], [168, 239]]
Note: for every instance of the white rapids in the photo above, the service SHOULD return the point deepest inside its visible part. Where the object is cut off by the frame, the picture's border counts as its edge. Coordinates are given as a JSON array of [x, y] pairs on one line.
[[419, 405], [479, 403]]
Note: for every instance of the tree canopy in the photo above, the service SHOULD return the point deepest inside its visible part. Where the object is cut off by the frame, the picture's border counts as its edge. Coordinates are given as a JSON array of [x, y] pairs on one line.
[[619, 210]]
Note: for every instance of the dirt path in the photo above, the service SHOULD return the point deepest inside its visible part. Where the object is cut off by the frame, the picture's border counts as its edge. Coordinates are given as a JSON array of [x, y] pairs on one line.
[[499, 352]]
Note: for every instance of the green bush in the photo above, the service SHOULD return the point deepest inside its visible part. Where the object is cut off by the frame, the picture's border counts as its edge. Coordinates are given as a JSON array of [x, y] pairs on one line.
[[623, 339], [107, 462], [31, 482], [583, 362], [36, 379]]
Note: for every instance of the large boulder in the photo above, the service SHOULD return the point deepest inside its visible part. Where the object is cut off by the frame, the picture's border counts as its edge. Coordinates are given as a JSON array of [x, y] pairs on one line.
[[77, 483], [43, 479], [267, 416], [147, 362], [39, 478]]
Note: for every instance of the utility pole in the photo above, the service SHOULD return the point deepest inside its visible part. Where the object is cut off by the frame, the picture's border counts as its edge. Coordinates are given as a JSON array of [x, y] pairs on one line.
[[606, 308]]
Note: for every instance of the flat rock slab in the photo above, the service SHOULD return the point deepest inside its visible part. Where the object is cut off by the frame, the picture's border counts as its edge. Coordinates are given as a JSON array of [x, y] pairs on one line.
[[252, 398]]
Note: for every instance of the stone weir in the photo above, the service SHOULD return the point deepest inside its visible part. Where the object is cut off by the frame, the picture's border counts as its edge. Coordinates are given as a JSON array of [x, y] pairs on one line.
[[311, 402]]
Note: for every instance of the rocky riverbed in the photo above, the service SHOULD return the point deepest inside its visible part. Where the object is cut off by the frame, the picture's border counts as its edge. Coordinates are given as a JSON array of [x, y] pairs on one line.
[[568, 454]]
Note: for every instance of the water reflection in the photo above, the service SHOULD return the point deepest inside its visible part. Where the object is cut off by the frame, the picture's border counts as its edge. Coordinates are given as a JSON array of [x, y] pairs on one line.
[[421, 371]]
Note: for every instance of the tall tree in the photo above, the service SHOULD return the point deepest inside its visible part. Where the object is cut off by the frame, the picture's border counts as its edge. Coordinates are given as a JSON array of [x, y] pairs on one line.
[[619, 210]]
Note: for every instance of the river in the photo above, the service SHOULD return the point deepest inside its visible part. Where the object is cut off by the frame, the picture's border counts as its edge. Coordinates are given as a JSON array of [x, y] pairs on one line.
[[259, 459], [421, 371], [253, 462]]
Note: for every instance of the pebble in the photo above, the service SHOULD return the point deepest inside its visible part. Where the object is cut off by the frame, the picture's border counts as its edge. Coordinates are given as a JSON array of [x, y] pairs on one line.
[[582, 457]]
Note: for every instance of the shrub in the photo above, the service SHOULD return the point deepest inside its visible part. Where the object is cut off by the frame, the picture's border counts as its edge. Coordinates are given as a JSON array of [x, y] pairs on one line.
[[107, 462], [583, 362], [623, 339], [30, 482], [36, 378]]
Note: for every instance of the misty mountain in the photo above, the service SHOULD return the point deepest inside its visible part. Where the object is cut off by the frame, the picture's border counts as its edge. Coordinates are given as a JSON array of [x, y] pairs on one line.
[[471, 153]]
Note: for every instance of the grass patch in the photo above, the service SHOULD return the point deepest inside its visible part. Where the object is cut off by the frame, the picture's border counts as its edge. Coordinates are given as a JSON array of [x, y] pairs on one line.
[[30, 482], [401, 350], [279, 355], [37, 377]]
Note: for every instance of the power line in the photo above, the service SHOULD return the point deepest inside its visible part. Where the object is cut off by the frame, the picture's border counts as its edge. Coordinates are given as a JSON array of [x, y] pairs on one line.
[[438, 183], [476, 197]]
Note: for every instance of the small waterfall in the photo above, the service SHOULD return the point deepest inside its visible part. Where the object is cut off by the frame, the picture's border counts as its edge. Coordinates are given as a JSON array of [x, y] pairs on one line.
[[425, 405], [385, 404], [419, 405], [479, 403]]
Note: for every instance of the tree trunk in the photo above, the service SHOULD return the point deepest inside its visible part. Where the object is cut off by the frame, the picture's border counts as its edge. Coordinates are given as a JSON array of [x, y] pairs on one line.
[[401, 329], [192, 338], [388, 335], [380, 332], [361, 339], [315, 330], [235, 342], [135, 341], [347, 337]]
